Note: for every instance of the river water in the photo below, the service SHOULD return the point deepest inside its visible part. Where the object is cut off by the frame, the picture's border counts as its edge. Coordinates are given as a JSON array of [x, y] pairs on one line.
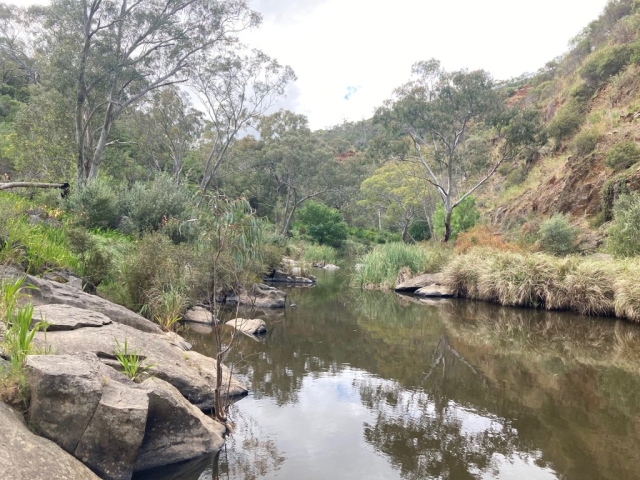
[[371, 385]]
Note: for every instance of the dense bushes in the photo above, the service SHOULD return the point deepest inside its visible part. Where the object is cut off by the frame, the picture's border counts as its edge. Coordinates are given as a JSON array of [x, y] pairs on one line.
[[622, 155], [557, 236], [463, 217], [604, 63], [567, 120], [586, 141], [624, 233], [323, 224]]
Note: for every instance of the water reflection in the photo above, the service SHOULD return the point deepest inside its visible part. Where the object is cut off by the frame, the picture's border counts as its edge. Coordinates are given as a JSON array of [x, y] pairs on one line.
[[369, 385]]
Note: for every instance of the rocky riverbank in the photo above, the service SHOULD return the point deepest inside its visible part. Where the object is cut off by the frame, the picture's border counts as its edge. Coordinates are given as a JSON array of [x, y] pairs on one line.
[[80, 400]]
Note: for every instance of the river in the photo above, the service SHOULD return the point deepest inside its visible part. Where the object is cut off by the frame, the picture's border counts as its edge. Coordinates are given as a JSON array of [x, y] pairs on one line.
[[371, 385]]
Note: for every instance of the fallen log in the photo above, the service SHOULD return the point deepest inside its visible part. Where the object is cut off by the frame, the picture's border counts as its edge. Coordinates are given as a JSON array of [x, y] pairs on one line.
[[63, 186]]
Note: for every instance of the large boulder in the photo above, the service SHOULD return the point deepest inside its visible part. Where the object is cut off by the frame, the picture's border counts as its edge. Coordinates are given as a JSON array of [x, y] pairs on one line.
[[259, 296], [419, 282], [26, 456], [198, 315], [167, 352], [132, 427], [248, 326], [65, 317], [176, 430], [44, 292]]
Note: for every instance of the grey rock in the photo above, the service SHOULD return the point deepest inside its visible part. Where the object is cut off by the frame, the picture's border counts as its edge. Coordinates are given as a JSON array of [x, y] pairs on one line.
[[26, 456], [258, 297], [112, 440], [247, 326], [175, 430], [198, 315], [330, 266], [206, 367], [48, 292], [66, 317], [65, 392], [419, 282], [435, 291], [167, 352]]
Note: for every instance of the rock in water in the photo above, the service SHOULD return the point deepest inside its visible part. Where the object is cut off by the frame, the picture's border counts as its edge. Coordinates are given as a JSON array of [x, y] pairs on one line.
[[419, 282], [249, 326], [176, 430], [435, 291], [198, 315], [26, 456]]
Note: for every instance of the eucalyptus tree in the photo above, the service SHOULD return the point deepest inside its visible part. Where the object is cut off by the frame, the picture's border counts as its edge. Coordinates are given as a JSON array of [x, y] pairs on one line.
[[235, 90], [459, 128], [301, 166], [109, 54]]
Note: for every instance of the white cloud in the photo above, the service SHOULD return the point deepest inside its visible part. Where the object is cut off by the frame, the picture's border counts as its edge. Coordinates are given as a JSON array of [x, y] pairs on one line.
[[335, 44]]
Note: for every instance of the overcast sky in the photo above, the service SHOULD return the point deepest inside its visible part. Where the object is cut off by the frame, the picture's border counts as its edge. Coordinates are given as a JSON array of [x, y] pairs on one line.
[[349, 55]]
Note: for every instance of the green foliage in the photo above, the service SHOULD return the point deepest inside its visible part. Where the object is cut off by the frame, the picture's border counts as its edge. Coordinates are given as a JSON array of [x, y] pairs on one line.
[[622, 155], [623, 238], [97, 205], [167, 306], [96, 262], [419, 231], [557, 236], [612, 189], [151, 206], [18, 341], [319, 254], [586, 141], [323, 224], [463, 217], [604, 63], [130, 361], [380, 267], [567, 120], [373, 236]]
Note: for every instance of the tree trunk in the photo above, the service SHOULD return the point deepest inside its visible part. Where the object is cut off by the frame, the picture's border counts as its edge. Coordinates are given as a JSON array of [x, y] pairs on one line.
[[405, 229], [447, 226]]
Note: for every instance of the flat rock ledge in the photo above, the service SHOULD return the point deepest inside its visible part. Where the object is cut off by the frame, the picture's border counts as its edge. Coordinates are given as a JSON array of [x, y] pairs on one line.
[[113, 425], [278, 276], [26, 456], [421, 281], [188, 371], [46, 292]]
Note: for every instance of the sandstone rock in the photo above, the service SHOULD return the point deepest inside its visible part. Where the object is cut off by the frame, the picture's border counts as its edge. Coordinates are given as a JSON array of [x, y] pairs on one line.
[[168, 353], [65, 392], [419, 282], [176, 430], [247, 326], [435, 291], [198, 315], [26, 456], [258, 297], [206, 367], [65, 317], [49, 292], [112, 440]]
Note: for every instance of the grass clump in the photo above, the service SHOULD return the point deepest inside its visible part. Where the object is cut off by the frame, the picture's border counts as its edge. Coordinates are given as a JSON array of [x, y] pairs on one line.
[[622, 155], [380, 267], [130, 361], [319, 254]]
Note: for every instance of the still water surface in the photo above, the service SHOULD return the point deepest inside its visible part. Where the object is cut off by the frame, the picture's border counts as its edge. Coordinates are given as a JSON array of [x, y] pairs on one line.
[[370, 385]]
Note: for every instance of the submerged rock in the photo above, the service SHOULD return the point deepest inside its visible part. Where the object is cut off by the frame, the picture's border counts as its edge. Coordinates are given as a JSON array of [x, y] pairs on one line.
[[419, 282], [247, 326], [26, 456], [330, 266], [257, 296]]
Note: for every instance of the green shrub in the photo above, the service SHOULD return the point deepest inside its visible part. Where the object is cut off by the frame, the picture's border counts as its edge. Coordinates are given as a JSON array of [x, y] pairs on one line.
[[612, 189], [624, 233], [151, 206], [130, 361], [96, 263], [97, 205], [622, 155], [515, 177], [319, 254], [419, 231], [323, 224], [557, 236], [586, 141], [567, 120], [463, 217], [604, 63]]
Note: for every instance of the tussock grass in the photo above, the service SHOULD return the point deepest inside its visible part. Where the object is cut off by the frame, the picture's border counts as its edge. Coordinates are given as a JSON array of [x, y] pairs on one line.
[[380, 267], [584, 285], [319, 253]]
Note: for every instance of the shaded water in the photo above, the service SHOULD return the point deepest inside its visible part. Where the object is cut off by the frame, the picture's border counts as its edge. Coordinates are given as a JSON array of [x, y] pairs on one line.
[[370, 385]]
